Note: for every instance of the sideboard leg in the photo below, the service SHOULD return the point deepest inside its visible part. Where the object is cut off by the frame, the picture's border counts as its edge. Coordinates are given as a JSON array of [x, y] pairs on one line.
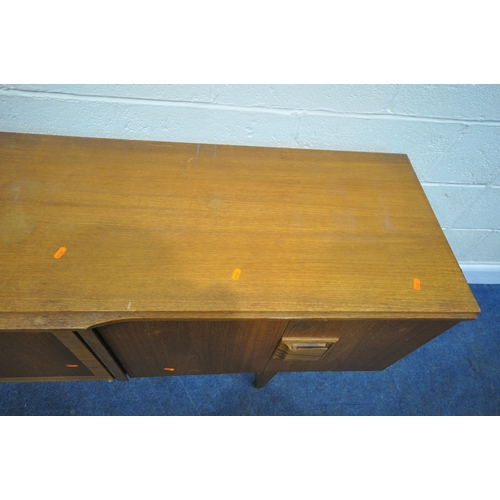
[[262, 378]]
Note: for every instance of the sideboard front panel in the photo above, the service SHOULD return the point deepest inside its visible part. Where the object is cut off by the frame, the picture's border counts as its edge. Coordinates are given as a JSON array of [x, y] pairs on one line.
[[359, 344], [46, 356], [163, 348]]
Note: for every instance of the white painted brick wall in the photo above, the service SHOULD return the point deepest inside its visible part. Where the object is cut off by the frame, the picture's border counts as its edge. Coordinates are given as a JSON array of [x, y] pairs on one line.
[[468, 102], [450, 132]]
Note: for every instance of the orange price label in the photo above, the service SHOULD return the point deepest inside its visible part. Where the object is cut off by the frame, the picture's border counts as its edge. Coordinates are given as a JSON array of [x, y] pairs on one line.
[[59, 253], [236, 274], [416, 284]]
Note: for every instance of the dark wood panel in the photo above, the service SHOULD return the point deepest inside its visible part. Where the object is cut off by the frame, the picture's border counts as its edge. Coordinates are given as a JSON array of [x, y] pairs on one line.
[[75, 344], [165, 348], [362, 345], [92, 339], [38, 354]]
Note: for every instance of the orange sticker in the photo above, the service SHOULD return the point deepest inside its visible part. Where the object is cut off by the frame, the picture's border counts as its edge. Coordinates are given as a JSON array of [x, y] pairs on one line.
[[59, 253], [416, 284], [71, 366], [169, 369], [236, 274]]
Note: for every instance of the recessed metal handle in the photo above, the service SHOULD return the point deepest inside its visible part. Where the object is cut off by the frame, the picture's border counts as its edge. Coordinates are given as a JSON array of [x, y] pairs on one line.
[[301, 345], [303, 349]]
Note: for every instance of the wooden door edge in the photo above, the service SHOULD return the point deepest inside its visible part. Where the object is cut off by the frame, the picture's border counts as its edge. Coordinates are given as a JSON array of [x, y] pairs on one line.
[[94, 342], [77, 347]]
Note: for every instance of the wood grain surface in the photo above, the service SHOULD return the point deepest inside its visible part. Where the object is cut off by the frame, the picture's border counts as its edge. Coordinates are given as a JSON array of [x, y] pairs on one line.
[[157, 229], [75, 344], [166, 348], [47, 356], [362, 345], [95, 343]]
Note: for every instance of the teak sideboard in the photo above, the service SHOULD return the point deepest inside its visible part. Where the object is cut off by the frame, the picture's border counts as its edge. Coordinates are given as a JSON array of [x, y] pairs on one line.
[[128, 258]]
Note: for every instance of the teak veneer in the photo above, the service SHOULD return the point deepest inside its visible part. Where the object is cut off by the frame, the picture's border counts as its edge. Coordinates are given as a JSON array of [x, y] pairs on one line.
[[196, 258]]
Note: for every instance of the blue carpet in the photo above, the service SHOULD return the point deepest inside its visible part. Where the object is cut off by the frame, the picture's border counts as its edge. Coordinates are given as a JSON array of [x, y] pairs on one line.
[[458, 373]]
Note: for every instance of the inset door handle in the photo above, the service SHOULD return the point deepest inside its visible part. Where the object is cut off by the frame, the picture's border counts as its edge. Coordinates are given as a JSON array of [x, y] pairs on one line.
[[303, 348]]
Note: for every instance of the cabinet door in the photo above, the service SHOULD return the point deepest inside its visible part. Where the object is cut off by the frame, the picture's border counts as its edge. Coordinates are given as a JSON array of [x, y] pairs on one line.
[[163, 348], [47, 356], [352, 345]]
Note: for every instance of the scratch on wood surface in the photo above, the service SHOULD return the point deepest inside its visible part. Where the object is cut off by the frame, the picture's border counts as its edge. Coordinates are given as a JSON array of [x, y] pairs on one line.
[[128, 307], [196, 157], [387, 219]]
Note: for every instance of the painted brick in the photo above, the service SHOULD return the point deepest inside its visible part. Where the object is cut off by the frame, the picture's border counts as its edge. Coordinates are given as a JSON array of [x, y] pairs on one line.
[[471, 102], [463, 241], [450, 202], [232, 127], [337, 98], [483, 214], [423, 142], [496, 181], [148, 122], [189, 93], [487, 251], [473, 159]]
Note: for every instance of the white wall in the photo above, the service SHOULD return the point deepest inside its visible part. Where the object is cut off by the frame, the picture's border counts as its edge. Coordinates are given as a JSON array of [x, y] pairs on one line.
[[450, 132]]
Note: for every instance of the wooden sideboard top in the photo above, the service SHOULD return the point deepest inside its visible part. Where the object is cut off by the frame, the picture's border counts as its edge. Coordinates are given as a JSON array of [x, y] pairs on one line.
[[154, 229]]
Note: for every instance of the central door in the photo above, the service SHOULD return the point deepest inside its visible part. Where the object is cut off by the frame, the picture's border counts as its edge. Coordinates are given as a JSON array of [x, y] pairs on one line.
[[163, 348]]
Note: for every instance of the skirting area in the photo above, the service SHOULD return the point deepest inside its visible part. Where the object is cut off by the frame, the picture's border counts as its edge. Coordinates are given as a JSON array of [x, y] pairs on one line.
[[486, 274]]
